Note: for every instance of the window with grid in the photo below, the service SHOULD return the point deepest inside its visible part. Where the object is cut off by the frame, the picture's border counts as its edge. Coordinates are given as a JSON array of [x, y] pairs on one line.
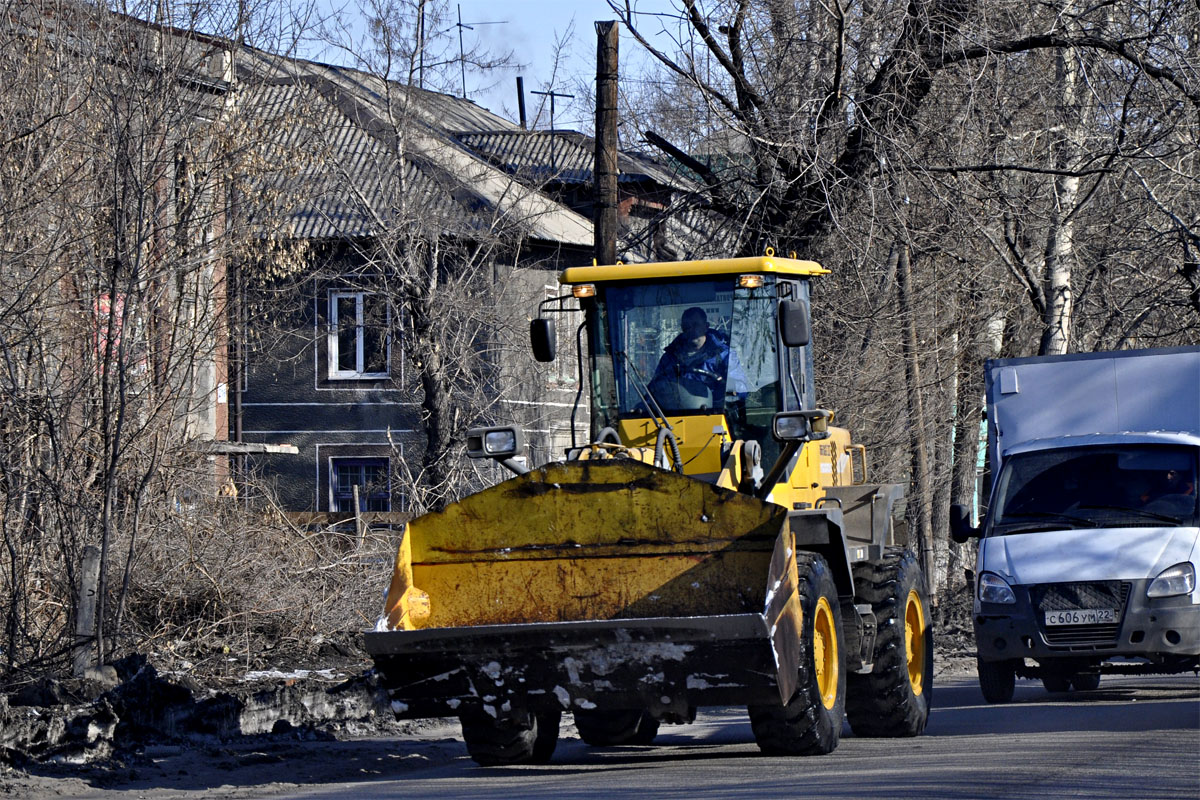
[[562, 372], [359, 343], [370, 475]]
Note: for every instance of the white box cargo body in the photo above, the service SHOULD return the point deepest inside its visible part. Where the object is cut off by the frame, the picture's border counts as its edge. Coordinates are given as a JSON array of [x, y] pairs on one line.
[[1091, 543], [1118, 392]]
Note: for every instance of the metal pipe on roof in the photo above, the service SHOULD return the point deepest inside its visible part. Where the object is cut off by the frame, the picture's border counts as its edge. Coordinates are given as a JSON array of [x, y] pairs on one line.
[[521, 99]]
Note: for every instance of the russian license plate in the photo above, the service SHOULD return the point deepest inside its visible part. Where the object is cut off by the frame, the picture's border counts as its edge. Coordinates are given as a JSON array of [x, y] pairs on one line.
[[1082, 616]]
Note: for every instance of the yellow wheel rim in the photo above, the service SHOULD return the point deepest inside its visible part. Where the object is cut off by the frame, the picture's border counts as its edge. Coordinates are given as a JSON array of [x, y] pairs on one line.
[[825, 653], [914, 641]]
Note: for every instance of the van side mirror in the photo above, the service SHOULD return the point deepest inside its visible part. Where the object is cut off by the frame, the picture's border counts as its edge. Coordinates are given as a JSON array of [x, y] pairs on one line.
[[794, 326], [961, 528], [542, 339]]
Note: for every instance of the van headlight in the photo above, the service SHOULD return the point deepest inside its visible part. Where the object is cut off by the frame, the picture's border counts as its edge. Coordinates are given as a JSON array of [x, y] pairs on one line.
[[994, 589], [1172, 581]]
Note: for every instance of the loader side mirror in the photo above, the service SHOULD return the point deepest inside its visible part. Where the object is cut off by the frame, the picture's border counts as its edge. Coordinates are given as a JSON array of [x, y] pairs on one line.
[[801, 426], [501, 444], [961, 528], [794, 326], [542, 339]]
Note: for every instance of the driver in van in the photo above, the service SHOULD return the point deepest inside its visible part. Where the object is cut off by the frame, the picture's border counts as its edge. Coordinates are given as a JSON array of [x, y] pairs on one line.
[[698, 365], [1172, 482]]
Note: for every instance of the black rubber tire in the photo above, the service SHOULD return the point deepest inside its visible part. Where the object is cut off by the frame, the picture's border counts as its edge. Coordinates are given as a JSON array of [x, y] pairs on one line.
[[1086, 681], [1056, 682], [806, 726], [522, 739], [887, 702], [997, 680], [546, 739], [604, 728]]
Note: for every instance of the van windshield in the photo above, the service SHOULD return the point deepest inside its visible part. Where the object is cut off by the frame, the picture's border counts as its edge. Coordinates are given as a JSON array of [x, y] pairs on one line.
[[1096, 487]]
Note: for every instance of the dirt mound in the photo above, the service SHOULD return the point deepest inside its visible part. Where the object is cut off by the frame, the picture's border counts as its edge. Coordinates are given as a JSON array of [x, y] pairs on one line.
[[79, 721]]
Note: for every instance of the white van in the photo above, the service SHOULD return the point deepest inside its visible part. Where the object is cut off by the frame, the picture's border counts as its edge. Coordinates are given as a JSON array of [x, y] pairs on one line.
[[1090, 545]]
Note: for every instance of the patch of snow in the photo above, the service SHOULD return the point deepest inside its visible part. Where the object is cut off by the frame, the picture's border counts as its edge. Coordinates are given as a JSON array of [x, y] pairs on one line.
[[274, 674], [585, 704], [698, 682], [492, 670], [453, 703], [564, 697], [398, 707]]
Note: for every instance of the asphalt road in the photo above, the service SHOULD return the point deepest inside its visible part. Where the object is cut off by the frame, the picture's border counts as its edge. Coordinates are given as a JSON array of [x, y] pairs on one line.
[[1135, 737]]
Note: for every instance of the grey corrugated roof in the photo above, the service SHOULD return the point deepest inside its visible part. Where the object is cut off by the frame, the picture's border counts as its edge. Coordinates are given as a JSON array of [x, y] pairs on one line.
[[562, 156], [338, 140]]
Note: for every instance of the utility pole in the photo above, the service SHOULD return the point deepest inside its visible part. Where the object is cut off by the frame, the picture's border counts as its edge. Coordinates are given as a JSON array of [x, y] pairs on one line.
[[604, 218]]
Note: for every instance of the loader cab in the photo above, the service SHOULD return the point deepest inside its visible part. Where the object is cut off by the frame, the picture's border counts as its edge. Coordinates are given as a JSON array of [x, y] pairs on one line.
[[698, 346]]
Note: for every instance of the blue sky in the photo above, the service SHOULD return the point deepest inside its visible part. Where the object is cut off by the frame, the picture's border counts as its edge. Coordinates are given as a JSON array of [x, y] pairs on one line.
[[529, 30]]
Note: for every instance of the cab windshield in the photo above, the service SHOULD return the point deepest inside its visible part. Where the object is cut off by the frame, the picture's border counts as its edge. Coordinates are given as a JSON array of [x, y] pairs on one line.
[[695, 347], [1096, 487]]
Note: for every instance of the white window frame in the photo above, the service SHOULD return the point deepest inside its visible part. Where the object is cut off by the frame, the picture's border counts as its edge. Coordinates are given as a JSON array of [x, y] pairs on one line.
[[360, 358], [339, 460]]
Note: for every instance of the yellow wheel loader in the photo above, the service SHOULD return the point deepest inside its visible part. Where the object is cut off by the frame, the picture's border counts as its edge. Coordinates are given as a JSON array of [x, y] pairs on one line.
[[715, 542]]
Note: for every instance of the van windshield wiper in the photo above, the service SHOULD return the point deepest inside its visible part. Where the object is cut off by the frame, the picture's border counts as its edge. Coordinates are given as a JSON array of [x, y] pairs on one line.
[[1140, 512], [1024, 515]]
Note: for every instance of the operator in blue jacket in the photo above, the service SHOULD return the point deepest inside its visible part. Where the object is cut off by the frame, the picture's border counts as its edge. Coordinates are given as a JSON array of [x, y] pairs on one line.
[[698, 369]]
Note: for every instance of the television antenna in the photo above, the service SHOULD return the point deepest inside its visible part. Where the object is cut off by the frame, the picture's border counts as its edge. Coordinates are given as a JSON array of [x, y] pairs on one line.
[[462, 55]]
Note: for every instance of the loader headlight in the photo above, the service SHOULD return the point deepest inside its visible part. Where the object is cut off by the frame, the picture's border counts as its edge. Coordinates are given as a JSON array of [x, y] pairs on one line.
[[501, 442], [1179, 579], [994, 589], [804, 425]]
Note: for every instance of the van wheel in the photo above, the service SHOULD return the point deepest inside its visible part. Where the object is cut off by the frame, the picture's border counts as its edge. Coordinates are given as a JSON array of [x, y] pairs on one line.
[[811, 723], [1056, 682], [997, 680], [601, 728], [1086, 681], [523, 739], [894, 698]]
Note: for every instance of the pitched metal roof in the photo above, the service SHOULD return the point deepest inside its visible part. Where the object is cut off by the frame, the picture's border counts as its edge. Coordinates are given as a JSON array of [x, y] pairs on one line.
[[343, 136], [562, 157]]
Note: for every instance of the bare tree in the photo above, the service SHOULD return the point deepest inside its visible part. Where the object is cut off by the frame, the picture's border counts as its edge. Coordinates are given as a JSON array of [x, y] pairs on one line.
[[1031, 160], [438, 237], [121, 138]]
